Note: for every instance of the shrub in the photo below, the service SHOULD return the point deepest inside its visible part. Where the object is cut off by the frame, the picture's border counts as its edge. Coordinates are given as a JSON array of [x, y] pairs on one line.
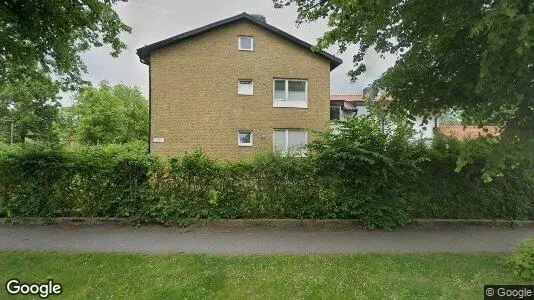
[[360, 172], [35, 181], [284, 187], [441, 191], [38, 181], [522, 261], [371, 168]]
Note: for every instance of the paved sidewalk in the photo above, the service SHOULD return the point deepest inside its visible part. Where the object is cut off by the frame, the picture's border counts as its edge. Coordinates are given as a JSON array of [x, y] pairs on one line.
[[157, 239]]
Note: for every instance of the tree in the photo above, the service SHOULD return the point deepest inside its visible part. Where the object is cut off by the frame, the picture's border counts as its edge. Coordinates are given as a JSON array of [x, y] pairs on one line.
[[48, 36], [475, 56], [108, 114], [32, 105]]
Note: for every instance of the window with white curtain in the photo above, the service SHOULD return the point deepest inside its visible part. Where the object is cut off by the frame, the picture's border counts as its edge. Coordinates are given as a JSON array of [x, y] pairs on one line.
[[290, 93], [290, 142]]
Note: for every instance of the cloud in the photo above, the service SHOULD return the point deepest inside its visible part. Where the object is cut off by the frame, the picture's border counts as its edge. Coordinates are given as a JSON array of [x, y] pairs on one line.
[[155, 20]]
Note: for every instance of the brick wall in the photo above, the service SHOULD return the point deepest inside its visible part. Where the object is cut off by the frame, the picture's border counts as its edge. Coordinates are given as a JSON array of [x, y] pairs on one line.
[[194, 100], [469, 132]]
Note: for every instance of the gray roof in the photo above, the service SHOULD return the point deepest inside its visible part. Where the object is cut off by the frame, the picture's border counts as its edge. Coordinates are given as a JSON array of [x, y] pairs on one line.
[[144, 52]]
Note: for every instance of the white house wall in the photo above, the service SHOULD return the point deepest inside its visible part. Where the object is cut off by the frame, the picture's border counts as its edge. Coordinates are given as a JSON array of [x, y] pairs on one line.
[[423, 131]]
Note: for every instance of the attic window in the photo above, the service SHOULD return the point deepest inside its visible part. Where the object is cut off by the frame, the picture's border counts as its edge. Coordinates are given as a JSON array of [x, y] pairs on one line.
[[245, 43]]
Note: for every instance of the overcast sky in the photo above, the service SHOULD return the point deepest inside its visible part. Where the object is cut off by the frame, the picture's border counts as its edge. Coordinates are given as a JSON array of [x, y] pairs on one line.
[[152, 21]]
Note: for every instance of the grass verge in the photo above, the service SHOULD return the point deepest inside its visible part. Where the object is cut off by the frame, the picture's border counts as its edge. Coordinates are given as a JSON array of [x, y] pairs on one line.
[[367, 276]]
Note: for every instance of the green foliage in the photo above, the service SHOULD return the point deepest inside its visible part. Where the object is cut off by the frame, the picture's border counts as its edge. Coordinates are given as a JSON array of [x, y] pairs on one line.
[[445, 191], [107, 115], [371, 166], [474, 56], [33, 106], [360, 172], [287, 188], [48, 36], [103, 181], [267, 187], [40, 54], [522, 262]]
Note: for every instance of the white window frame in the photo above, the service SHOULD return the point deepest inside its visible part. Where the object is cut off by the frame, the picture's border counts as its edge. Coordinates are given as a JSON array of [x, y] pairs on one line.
[[239, 43], [245, 144], [284, 102], [245, 80], [285, 151]]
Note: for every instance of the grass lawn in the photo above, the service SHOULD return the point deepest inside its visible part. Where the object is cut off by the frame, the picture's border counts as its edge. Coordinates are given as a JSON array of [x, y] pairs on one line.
[[371, 276]]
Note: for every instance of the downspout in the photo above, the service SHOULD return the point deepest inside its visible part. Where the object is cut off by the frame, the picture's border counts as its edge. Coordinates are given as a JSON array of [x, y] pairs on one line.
[[149, 107]]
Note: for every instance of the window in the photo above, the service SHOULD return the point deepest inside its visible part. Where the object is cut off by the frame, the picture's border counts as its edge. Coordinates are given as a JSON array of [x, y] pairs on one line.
[[290, 93], [244, 138], [245, 87], [245, 43], [335, 112], [290, 141]]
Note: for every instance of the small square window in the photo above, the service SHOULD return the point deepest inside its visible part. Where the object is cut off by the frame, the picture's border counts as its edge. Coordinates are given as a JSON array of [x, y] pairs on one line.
[[245, 87], [244, 138], [245, 43]]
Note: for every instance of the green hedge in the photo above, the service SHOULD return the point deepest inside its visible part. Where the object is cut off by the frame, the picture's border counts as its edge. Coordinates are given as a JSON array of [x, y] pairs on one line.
[[441, 192], [124, 181], [38, 181]]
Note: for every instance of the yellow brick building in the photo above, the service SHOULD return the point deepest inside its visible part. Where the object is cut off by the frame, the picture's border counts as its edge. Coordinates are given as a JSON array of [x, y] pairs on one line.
[[234, 89]]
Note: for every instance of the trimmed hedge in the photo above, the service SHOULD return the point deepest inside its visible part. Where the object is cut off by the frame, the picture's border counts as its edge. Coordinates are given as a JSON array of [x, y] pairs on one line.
[[443, 193], [124, 181], [37, 181]]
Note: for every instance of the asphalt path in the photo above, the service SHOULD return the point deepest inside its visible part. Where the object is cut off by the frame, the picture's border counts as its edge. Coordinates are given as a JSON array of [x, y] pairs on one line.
[[259, 240]]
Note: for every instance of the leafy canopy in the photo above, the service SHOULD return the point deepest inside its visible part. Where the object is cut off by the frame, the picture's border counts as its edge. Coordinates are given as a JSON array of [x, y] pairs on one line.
[[48, 36], [476, 56], [32, 105], [107, 115]]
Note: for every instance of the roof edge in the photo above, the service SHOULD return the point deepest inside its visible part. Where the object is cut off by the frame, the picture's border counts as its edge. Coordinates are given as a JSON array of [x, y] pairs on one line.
[[145, 51]]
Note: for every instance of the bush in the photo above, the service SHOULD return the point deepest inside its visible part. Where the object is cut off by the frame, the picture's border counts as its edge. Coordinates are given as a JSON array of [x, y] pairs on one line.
[[38, 181], [382, 179], [34, 182], [370, 168], [442, 192], [522, 262]]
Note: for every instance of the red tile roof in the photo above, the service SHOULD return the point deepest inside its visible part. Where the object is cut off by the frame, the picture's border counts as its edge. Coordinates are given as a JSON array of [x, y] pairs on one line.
[[347, 97], [468, 132], [348, 102]]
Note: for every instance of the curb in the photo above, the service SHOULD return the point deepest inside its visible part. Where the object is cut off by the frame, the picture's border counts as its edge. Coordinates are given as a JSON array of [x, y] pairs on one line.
[[472, 222], [327, 224]]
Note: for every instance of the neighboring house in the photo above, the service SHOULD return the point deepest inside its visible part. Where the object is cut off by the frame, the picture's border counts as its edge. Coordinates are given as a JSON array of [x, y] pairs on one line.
[[353, 105], [347, 106], [235, 88], [462, 132]]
